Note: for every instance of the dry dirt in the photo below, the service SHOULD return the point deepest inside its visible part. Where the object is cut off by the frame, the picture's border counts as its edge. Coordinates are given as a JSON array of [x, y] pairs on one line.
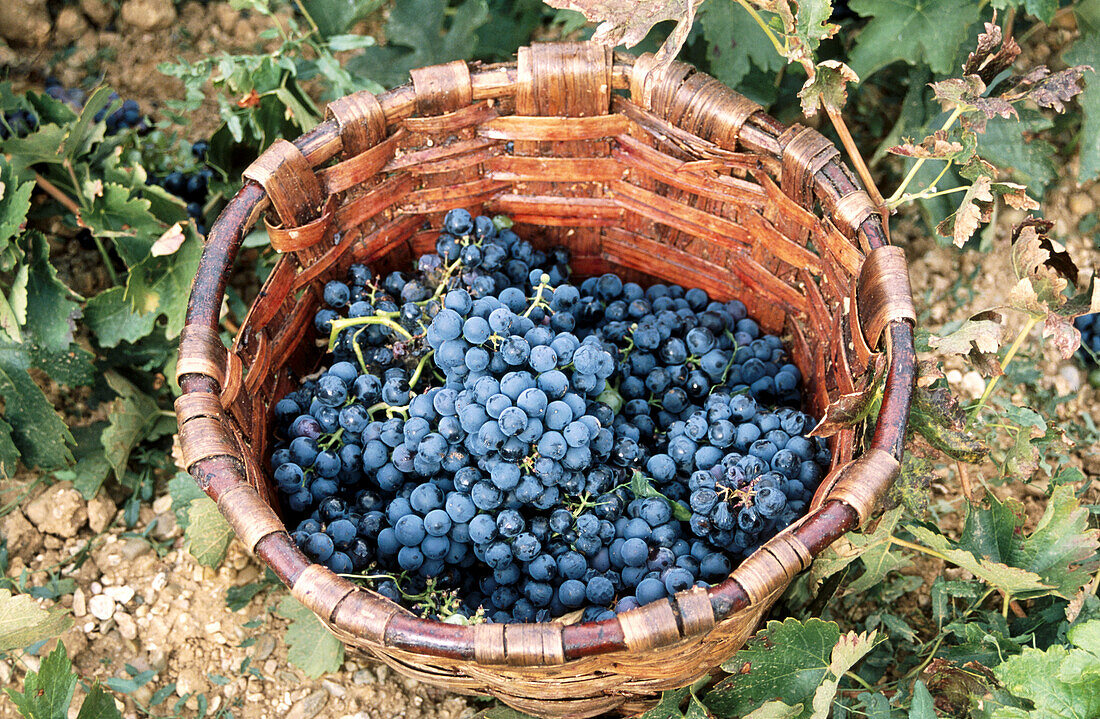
[[159, 610]]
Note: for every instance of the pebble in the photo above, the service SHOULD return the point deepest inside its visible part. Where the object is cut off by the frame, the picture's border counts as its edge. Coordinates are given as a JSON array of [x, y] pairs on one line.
[[60, 510], [134, 547], [80, 606], [5, 672], [101, 606], [973, 384], [188, 682], [333, 688], [101, 511], [364, 676], [159, 582], [310, 706], [126, 626], [265, 644], [1071, 376], [122, 594], [148, 15]]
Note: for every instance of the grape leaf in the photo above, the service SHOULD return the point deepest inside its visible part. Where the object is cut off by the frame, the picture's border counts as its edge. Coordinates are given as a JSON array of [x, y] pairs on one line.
[[162, 285], [872, 549], [23, 622], [1062, 547], [848, 650], [312, 648], [114, 320], [1010, 580], [923, 706], [787, 660], [98, 704], [416, 36], [1042, 9], [334, 17], [775, 710], [735, 43], [9, 453], [1041, 677], [937, 417], [975, 209], [510, 24], [132, 416], [183, 490], [1056, 558], [39, 433], [1010, 143], [1086, 51], [911, 30], [15, 202], [827, 88], [207, 535], [52, 308], [642, 486], [48, 692], [983, 334]]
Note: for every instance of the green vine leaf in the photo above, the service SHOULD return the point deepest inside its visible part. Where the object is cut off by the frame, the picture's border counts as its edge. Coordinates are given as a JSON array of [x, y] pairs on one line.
[[911, 30], [1061, 683], [1086, 51], [23, 622], [736, 44], [208, 534], [313, 649]]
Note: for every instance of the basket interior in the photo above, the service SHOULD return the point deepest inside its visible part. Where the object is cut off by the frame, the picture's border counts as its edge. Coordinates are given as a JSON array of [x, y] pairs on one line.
[[635, 203]]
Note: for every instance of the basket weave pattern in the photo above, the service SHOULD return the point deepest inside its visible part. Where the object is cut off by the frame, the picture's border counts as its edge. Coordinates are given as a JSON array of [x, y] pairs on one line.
[[653, 173]]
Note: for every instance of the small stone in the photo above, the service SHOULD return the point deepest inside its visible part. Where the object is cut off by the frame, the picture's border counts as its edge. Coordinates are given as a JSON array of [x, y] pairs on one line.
[[99, 11], [954, 376], [126, 626], [333, 688], [5, 672], [80, 606], [1069, 379], [159, 582], [148, 15], [102, 607], [1081, 204], [69, 26], [189, 681], [265, 644], [364, 676], [26, 22], [133, 547], [24, 541], [270, 666], [972, 384], [122, 594], [162, 503], [60, 510], [309, 706], [101, 512]]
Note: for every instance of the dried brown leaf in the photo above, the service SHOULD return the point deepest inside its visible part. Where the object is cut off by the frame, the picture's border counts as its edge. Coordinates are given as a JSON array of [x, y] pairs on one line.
[[933, 147], [626, 22], [987, 61], [958, 90], [1049, 89], [976, 208], [1015, 195], [828, 87], [982, 334]]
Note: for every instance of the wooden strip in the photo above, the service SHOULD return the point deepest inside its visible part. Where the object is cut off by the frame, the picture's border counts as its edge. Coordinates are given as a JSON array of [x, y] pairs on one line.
[[839, 248], [563, 79], [669, 212], [442, 88], [489, 643], [198, 404], [205, 437], [433, 159], [321, 590], [271, 297], [445, 197], [528, 645], [883, 293], [770, 238], [460, 119], [513, 168], [364, 166], [249, 516], [361, 121], [566, 129], [696, 613], [359, 210], [760, 575], [364, 614], [650, 626], [729, 190], [287, 177], [292, 239], [864, 482], [586, 211], [201, 351]]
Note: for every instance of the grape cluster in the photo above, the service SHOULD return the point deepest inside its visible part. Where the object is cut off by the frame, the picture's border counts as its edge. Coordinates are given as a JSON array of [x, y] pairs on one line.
[[18, 123], [1089, 326], [191, 187], [533, 447]]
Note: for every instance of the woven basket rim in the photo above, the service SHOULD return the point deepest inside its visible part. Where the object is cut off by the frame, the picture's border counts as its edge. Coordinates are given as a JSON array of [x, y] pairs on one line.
[[219, 468]]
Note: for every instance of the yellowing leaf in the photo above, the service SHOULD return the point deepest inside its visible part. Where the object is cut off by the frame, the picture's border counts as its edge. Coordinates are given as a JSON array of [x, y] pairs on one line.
[[23, 622], [169, 242], [974, 210], [207, 535]]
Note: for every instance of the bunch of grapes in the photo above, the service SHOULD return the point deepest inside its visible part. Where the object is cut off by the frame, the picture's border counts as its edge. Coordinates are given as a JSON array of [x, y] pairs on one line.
[[1089, 326], [528, 448]]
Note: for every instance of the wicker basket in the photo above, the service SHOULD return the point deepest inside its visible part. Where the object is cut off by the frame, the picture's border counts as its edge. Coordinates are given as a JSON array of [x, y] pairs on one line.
[[654, 173]]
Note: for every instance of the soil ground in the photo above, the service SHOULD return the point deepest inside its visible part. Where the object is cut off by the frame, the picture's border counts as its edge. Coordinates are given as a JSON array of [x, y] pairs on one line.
[[144, 601]]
